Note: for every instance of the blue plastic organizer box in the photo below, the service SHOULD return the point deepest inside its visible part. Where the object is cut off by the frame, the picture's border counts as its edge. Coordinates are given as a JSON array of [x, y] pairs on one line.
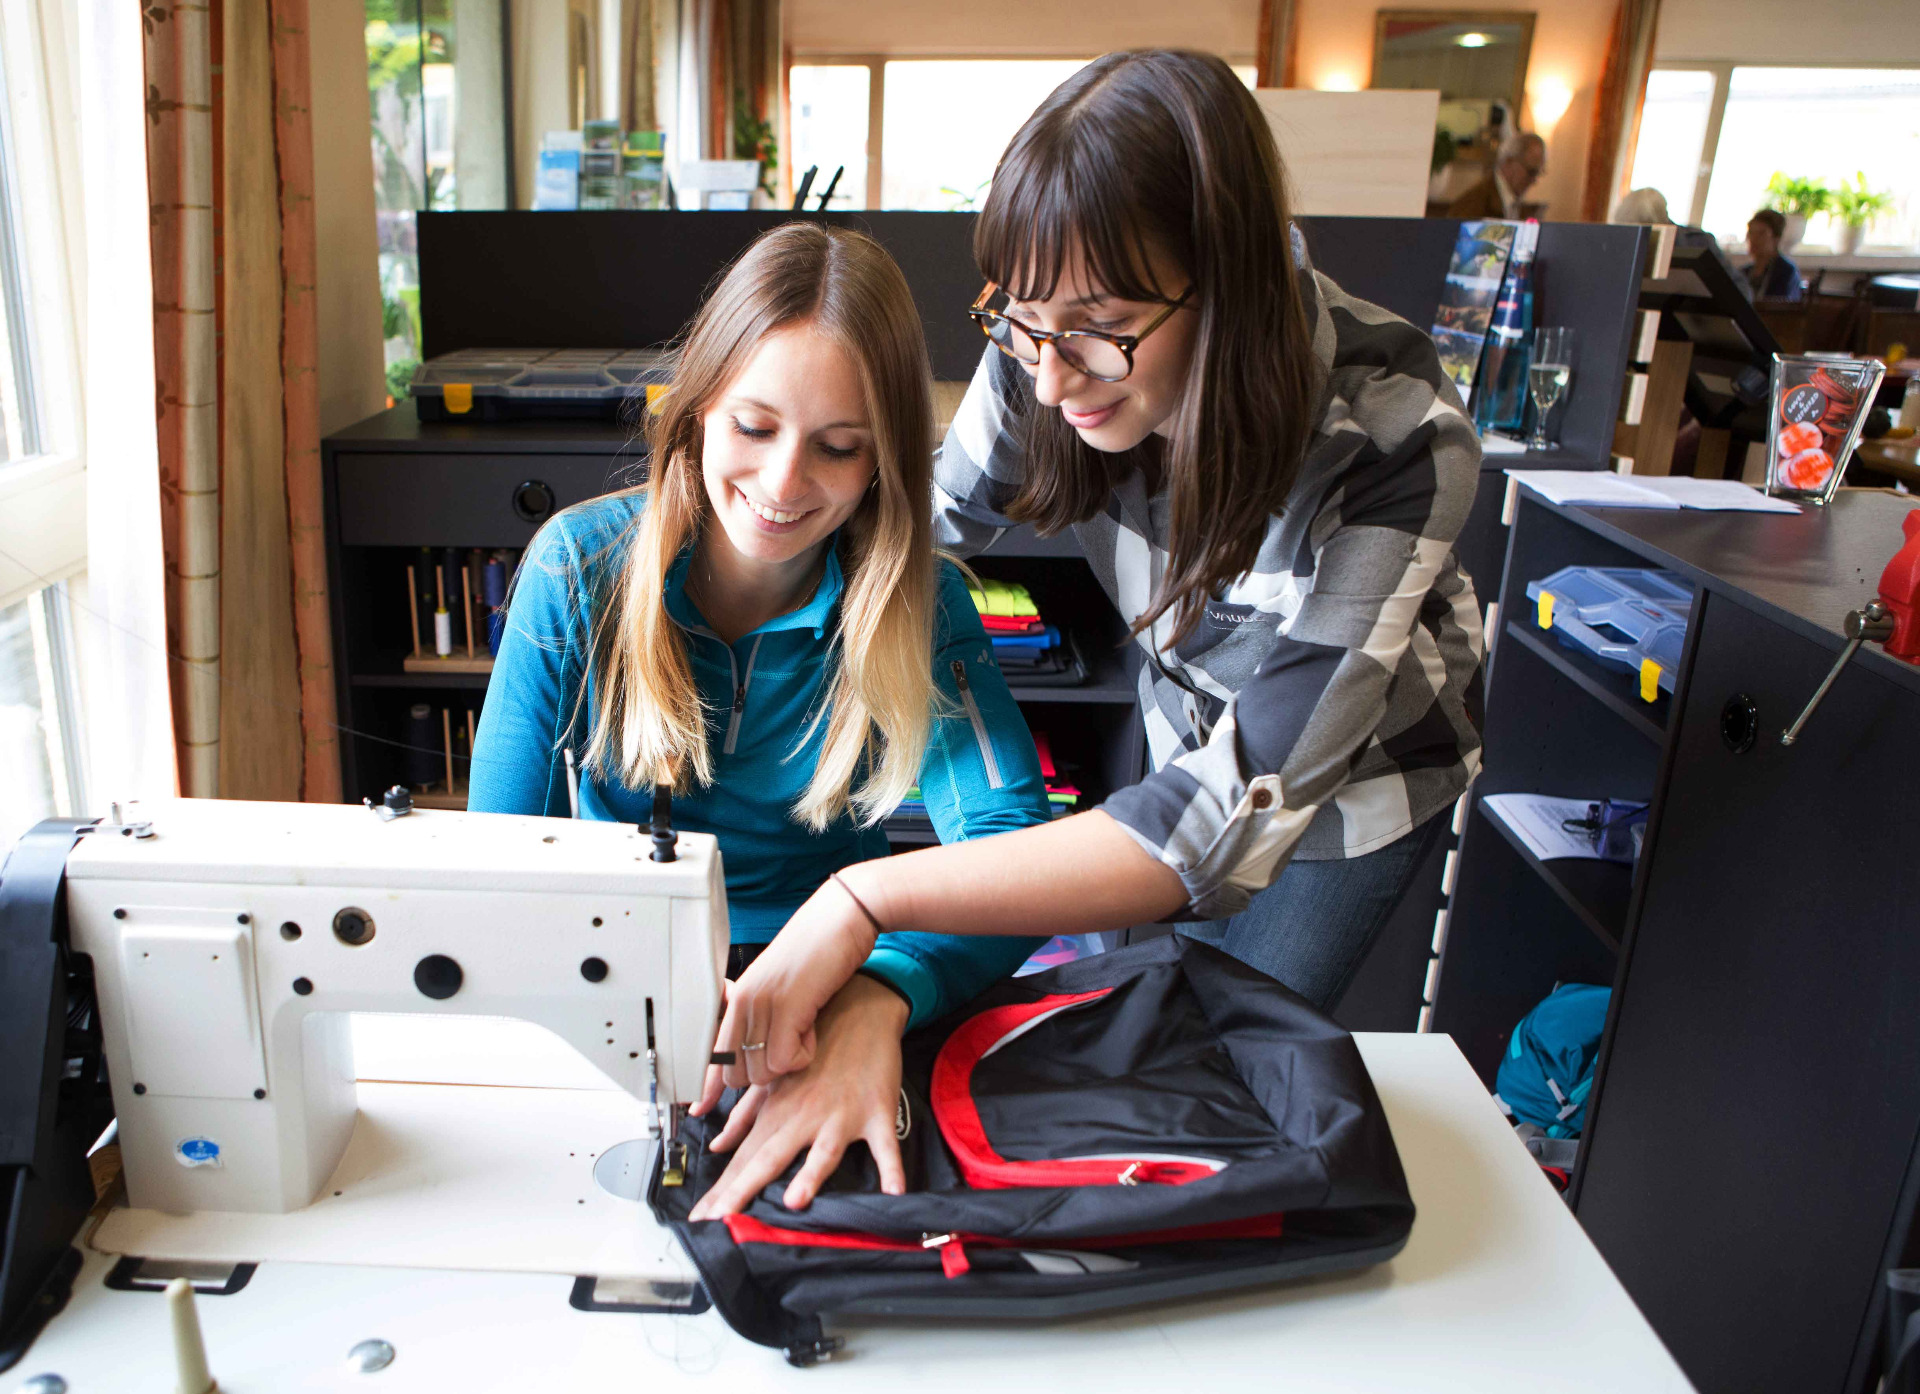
[[1628, 617]]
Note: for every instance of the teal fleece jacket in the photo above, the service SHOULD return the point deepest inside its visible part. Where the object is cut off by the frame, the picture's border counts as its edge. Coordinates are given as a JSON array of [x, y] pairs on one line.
[[980, 774]]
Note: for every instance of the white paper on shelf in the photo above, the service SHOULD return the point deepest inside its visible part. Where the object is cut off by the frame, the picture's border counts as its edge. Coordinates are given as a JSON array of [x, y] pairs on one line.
[[1604, 489], [1492, 443], [1717, 495], [1537, 821], [1601, 487]]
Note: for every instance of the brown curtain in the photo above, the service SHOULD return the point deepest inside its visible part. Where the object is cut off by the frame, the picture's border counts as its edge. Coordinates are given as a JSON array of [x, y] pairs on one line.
[[1277, 44], [742, 71], [230, 179], [1616, 108]]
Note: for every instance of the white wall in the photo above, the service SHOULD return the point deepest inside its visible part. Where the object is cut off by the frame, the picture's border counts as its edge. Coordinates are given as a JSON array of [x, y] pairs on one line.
[[1867, 32], [1020, 28]]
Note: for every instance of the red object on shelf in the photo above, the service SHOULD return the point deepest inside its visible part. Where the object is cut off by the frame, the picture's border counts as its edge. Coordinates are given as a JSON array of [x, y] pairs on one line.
[[1900, 590]]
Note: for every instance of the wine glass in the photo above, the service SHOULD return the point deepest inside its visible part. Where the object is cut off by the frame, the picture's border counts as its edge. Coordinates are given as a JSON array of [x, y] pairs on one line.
[[1548, 374]]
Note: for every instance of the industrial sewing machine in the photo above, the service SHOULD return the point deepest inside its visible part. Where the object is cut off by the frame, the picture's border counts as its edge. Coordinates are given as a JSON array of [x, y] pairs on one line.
[[228, 947]]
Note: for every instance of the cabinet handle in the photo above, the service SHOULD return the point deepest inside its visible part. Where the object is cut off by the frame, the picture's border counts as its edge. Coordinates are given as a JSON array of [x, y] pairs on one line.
[[533, 500], [1874, 623]]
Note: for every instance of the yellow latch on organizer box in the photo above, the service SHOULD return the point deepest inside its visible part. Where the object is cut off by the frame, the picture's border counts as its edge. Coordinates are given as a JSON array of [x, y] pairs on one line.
[[458, 397], [1649, 680], [1546, 609], [656, 398]]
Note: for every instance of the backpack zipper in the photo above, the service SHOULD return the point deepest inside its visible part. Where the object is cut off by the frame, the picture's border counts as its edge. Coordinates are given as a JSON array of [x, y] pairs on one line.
[[954, 1261], [979, 724]]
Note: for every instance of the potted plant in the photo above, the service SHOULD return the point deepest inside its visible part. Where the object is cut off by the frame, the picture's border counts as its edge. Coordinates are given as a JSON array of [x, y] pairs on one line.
[[1855, 205], [1798, 199]]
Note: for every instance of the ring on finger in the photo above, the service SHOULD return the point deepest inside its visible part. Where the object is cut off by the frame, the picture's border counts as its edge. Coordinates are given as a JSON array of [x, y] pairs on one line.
[[761, 1045]]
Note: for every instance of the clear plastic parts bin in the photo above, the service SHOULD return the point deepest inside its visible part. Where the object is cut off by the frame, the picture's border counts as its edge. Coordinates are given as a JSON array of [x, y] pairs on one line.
[[1630, 618], [509, 384]]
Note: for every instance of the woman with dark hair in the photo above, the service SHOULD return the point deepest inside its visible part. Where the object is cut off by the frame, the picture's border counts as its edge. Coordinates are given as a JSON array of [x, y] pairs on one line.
[[1267, 476]]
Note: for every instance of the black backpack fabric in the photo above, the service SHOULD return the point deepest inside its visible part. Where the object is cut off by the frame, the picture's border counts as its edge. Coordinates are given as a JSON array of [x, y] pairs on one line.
[[1155, 1123]]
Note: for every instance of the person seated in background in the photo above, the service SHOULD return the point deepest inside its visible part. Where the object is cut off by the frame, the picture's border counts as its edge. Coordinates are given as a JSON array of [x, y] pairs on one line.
[[1521, 162], [1771, 275], [1647, 206]]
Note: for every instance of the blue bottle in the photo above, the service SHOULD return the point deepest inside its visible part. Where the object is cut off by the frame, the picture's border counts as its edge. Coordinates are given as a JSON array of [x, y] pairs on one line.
[[1501, 400]]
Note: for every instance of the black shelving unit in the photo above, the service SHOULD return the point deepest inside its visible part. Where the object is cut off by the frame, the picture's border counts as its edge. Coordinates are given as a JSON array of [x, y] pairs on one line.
[[394, 484], [1749, 1165]]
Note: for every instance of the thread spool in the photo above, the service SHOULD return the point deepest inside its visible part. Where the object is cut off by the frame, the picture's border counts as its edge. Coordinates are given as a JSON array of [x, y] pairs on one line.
[[422, 758], [494, 589]]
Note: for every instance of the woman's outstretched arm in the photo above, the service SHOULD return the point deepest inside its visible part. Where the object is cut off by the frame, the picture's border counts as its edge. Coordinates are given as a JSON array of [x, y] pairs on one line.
[[1076, 876]]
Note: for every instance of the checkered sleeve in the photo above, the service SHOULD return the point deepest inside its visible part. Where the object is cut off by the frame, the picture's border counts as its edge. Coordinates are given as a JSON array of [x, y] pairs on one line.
[[1228, 815], [980, 465]]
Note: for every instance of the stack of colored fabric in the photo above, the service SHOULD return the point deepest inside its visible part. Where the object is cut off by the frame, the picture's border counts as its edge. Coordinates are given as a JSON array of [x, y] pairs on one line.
[[1063, 797], [1031, 652]]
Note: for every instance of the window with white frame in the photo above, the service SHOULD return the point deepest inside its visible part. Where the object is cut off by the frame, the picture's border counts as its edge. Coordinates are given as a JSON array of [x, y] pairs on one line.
[[1713, 135], [915, 133], [42, 469]]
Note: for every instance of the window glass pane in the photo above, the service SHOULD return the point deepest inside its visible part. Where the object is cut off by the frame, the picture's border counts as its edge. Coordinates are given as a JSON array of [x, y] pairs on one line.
[[1826, 123], [946, 124], [829, 127], [27, 791], [1673, 130], [19, 406]]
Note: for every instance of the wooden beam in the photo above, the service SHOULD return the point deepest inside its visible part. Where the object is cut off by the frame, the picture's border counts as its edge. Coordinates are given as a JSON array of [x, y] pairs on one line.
[[1277, 44]]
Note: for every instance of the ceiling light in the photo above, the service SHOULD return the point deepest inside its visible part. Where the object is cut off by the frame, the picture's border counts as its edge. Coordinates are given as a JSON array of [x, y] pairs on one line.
[[1474, 40]]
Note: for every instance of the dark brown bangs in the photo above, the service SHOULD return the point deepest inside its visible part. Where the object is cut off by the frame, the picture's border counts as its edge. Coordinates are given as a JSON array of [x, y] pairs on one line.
[[1060, 188]]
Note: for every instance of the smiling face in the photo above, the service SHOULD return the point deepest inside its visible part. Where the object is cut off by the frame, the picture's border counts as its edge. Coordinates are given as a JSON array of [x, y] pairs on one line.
[[1113, 416], [788, 450]]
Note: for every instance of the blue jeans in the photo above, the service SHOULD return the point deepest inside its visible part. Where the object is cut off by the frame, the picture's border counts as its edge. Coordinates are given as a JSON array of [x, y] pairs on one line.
[[1312, 928]]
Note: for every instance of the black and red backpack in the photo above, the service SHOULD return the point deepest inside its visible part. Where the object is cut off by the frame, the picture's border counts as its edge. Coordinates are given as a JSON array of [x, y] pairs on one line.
[[1155, 1123]]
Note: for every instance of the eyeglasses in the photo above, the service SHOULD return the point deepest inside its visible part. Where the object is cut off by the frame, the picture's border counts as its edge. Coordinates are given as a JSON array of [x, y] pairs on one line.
[[1105, 357]]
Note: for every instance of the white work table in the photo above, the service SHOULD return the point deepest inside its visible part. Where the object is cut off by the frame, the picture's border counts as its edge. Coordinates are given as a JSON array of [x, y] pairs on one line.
[[1497, 1289]]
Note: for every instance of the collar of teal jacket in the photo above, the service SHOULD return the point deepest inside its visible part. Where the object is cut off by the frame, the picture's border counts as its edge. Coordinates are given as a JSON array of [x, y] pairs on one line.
[[816, 614]]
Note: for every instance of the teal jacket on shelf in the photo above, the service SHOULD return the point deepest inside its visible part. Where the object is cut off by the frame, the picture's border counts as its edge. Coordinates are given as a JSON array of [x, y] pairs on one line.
[[980, 775]]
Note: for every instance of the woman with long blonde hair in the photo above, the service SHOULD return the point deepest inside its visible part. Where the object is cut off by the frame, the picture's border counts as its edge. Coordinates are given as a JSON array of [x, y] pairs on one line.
[[764, 626]]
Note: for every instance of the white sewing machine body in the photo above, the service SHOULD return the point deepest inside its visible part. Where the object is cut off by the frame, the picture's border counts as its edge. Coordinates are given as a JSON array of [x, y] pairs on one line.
[[231, 944]]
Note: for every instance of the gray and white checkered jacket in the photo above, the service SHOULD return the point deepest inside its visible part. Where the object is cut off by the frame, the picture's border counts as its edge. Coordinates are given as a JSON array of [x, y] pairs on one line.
[[1325, 704]]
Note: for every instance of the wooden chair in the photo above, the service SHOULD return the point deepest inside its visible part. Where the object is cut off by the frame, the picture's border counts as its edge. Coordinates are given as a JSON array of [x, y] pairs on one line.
[[1885, 328]]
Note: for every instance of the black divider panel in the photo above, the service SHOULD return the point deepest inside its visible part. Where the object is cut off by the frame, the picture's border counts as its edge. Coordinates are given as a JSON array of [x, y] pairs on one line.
[[630, 280]]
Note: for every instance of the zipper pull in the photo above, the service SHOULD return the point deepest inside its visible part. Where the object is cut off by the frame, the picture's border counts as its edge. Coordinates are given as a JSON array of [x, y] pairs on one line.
[[959, 675], [953, 1254]]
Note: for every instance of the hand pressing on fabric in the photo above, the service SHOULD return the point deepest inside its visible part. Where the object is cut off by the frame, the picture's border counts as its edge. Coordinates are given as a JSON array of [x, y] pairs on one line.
[[769, 1024], [849, 1093]]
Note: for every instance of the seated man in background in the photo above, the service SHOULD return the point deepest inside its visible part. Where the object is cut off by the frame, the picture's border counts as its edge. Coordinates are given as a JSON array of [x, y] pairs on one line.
[[1771, 276], [1522, 160]]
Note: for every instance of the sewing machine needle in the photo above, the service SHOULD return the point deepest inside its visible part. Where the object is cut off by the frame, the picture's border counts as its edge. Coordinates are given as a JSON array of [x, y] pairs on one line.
[[189, 1352]]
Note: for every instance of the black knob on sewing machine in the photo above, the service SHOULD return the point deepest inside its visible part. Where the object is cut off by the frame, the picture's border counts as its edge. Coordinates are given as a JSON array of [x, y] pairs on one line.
[[438, 977]]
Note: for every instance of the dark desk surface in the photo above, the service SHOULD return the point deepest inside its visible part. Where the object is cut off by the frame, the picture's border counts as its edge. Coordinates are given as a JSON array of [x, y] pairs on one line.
[[399, 427], [1806, 572]]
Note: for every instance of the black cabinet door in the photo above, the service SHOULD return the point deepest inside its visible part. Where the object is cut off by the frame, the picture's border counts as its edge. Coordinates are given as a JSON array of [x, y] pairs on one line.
[[1758, 1109], [421, 499]]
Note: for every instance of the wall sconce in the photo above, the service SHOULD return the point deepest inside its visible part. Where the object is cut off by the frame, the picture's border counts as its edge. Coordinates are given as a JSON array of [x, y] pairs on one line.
[[1336, 82], [1550, 97]]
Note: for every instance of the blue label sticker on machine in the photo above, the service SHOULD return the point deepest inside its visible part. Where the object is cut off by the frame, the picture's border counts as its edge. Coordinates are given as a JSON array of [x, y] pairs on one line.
[[1630, 618], [197, 1152]]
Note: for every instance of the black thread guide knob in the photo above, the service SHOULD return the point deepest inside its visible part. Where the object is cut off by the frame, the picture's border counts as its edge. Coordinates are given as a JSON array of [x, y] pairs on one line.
[[533, 500], [662, 826]]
